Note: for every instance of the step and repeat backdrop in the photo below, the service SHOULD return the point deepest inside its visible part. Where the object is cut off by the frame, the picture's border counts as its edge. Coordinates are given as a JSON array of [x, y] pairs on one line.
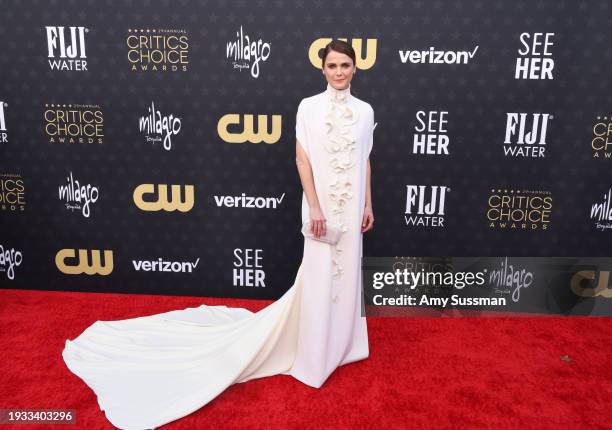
[[149, 146]]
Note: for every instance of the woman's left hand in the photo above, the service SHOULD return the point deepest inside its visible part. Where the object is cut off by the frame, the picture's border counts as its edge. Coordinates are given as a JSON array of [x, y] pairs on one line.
[[368, 219]]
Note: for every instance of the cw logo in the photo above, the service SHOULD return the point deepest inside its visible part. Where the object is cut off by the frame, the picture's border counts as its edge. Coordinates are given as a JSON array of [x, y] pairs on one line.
[[161, 201], [362, 63], [248, 132], [82, 264], [601, 289]]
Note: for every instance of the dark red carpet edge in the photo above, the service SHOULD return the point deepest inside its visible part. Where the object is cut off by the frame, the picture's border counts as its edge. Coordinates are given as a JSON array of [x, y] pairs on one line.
[[464, 373]]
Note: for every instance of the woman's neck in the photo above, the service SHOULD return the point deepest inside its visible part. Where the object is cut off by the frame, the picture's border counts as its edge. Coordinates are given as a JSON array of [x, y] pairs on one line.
[[338, 95]]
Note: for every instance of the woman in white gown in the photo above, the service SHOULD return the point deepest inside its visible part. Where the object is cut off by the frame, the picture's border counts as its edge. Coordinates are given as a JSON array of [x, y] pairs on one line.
[[151, 370]]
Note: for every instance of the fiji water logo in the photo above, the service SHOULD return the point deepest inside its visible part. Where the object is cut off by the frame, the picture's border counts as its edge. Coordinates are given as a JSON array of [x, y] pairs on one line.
[[66, 48]]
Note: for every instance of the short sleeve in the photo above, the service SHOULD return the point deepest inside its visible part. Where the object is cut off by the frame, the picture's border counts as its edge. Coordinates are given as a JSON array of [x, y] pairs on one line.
[[371, 127], [300, 128]]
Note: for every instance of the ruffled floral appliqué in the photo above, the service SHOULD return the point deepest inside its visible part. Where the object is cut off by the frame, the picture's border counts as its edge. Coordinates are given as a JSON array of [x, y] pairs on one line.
[[341, 144]]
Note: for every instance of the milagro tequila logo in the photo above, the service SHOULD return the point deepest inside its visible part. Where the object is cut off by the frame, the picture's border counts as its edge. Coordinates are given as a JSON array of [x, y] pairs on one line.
[[78, 196], [602, 137], [156, 127], [246, 53], [66, 48], [601, 212], [510, 279], [425, 205], [526, 136], [9, 259], [3, 134]]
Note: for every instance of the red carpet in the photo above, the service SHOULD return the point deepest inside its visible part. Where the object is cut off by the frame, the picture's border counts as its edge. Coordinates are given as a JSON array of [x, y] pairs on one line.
[[464, 373]]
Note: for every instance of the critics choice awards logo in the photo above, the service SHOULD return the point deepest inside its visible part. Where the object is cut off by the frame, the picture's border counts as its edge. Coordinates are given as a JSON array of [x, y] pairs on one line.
[[535, 59], [425, 205], [246, 53], [66, 48], [519, 209], [73, 123], [12, 192], [157, 50], [601, 142], [526, 134]]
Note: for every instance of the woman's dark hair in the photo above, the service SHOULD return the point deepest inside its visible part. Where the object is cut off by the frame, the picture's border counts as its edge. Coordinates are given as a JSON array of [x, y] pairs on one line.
[[338, 46]]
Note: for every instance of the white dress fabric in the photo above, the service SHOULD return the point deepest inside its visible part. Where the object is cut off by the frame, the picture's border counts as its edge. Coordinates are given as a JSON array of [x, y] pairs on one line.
[[151, 370]]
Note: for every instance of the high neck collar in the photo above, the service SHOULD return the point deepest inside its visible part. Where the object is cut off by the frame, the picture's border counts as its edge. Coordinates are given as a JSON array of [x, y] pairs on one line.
[[338, 95]]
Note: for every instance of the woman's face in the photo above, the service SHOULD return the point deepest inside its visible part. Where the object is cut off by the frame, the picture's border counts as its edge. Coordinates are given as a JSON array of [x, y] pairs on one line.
[[338, 70]]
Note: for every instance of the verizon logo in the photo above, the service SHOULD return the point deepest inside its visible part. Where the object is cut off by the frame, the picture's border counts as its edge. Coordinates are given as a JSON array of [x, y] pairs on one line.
[[161, 265], [245, 201]]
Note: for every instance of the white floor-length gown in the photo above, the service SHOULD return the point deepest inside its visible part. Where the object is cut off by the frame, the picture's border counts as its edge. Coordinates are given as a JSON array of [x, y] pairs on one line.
[[151, 370]]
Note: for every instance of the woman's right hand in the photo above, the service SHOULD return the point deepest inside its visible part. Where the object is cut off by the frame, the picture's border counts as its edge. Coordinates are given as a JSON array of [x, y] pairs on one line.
[[317, 222]]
